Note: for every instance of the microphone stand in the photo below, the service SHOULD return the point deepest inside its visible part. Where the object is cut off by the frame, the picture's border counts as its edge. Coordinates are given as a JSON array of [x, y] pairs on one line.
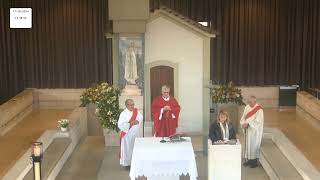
[[162, 140]]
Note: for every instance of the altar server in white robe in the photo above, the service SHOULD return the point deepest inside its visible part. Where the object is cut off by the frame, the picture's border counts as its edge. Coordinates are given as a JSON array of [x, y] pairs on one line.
[[129, 124], [252, 122]]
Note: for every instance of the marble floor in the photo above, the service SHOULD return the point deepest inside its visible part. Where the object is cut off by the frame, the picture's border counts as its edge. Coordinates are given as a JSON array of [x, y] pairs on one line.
[[302, 130], [299, 126], [110, 168], [87, 163], [19, 139]]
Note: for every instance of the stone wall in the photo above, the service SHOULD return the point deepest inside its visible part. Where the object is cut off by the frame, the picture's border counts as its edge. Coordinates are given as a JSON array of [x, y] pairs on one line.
[[267, 96], [187, 61], [309, 103], [14, 110], [77, 129], [57, 98]]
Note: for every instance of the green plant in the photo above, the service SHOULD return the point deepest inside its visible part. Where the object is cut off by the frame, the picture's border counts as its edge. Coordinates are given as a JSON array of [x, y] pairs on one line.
[[106, 98], [64, 123], [226, 93]]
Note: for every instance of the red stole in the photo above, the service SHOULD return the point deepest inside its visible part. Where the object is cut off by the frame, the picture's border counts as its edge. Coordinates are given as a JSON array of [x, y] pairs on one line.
[[253, 112], [133, 118]]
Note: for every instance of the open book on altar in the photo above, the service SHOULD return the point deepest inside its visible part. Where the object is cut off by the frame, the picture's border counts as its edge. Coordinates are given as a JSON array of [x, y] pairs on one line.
[[230, 142], [178, 137]]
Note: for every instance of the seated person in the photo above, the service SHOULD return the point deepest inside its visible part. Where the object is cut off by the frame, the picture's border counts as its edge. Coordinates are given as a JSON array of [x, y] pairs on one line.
[[222, 130]]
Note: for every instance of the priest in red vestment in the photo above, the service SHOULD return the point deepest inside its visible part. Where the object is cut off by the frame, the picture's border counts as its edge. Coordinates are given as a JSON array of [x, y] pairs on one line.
[[165, 113]]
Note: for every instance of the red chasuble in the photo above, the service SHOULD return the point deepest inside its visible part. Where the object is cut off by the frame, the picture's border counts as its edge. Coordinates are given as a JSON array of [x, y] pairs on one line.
[[166, 126]]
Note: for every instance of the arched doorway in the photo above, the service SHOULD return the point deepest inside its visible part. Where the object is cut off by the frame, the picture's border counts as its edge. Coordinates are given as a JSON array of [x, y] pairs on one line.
[[156, 74], [161, 75]]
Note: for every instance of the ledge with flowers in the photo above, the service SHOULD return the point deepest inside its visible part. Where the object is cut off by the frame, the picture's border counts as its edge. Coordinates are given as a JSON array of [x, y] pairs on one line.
[[226, 97], [104, 98]]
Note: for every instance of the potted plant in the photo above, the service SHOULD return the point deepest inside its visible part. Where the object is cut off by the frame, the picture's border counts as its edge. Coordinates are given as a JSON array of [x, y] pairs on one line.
[[105, 97], [227, 97], [226, 93], [63, 124]]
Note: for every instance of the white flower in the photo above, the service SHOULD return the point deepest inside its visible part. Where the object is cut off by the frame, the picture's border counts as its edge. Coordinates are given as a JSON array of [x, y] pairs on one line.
[[109, 89], [109, 113], [114, 121], [63, 123], [97, 110]]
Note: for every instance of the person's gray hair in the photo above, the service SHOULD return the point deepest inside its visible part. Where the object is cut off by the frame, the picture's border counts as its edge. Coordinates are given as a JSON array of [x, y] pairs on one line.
[[127, 101], [165, 87]]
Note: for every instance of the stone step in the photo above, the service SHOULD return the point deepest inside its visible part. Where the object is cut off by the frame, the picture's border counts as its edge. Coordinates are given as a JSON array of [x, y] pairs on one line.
[[85, 161], [275, 163], [51, 157]]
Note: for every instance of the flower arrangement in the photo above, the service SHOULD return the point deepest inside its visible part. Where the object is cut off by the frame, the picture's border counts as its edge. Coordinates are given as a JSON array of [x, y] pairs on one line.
[[226, 93], [106, 98], [63, 123]]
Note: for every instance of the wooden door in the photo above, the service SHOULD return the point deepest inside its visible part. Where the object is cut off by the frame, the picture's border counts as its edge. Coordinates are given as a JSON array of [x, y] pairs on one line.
[[161, 75]]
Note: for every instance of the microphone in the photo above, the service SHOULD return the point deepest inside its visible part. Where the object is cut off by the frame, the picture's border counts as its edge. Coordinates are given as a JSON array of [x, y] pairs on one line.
[[162, 140]]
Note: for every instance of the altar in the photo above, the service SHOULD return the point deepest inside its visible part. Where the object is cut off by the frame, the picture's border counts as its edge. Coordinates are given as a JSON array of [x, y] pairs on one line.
[[156, 160]]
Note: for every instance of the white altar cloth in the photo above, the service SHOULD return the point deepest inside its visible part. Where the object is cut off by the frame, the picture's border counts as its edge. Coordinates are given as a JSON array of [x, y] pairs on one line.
[[151, 158]]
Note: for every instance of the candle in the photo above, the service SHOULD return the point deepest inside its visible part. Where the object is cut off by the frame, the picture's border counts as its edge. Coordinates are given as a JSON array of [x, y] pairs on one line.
[[37, 173], [36, 151]]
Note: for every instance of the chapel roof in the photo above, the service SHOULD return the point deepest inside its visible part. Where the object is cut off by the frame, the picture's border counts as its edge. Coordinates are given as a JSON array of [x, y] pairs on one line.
[[183, 20]]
